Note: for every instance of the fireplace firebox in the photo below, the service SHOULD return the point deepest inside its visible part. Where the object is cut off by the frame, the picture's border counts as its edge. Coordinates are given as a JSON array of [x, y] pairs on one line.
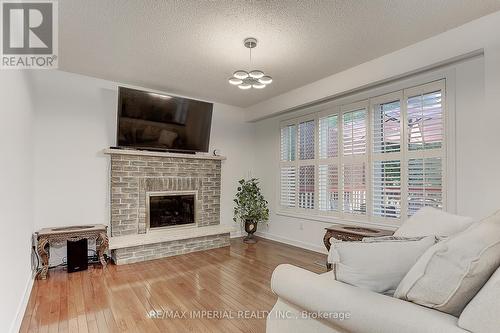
[[170, 209]]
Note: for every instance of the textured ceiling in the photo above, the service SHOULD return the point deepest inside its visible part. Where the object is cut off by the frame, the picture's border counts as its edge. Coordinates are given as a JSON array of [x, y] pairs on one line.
[[191, 47]]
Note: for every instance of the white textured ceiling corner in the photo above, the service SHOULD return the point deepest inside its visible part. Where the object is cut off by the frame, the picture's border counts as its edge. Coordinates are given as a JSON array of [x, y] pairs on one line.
[[191, 48]]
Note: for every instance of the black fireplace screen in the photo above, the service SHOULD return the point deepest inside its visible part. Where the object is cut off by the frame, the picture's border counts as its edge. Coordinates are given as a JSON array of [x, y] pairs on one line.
[[171, 210]]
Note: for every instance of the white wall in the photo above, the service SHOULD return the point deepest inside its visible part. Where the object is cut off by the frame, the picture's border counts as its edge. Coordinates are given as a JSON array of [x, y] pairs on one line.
[[474, 125], [75, 120], [16, 197]]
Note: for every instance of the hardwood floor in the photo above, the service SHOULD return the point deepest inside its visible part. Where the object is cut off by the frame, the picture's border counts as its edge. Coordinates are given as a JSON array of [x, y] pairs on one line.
[[220, 282]]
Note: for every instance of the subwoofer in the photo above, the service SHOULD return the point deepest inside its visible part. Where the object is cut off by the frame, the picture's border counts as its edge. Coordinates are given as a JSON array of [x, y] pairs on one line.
[[77, 252]]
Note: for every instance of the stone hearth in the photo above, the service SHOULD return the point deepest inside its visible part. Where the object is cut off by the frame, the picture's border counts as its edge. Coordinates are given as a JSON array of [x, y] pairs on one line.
[[136, 173]]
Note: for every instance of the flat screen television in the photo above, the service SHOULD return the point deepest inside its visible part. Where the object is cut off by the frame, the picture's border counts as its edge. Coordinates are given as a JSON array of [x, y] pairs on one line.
[[154, 121]]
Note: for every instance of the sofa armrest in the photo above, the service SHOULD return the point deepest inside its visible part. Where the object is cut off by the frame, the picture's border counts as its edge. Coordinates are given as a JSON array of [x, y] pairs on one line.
[[369, 312]]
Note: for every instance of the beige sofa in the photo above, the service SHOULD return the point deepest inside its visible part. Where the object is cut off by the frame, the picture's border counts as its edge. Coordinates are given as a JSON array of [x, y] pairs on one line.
[[309, 302]]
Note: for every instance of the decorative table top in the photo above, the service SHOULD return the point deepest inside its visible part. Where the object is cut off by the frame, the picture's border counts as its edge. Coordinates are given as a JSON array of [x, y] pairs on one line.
[[359, 231], [77, 229]]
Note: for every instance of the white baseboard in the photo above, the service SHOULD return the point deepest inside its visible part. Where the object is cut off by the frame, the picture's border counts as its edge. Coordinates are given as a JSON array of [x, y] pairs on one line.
[[293, 242], [21, 309]]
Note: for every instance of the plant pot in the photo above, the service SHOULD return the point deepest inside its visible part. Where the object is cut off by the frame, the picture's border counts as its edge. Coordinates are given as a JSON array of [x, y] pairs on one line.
[[250, 228]]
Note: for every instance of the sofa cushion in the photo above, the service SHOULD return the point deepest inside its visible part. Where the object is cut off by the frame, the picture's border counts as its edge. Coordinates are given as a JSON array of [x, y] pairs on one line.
[[431, 221], [369, 312], [482, 314], [377, 264], [451, 272]]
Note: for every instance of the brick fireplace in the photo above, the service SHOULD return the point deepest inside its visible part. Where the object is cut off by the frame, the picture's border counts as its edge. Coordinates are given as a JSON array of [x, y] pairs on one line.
[[139, 178]]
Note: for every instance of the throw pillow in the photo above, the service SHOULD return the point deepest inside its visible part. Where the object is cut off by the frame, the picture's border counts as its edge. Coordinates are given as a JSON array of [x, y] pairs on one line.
[[431, 221], [451, 272], [481, 314], [376, 264]]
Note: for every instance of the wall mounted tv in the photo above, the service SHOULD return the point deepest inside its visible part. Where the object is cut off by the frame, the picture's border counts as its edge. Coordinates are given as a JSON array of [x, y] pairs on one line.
[[154, 121]]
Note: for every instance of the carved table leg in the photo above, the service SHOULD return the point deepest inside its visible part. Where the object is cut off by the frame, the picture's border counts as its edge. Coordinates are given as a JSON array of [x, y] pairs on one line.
[[326, 241], [43, 252], [102, 246]]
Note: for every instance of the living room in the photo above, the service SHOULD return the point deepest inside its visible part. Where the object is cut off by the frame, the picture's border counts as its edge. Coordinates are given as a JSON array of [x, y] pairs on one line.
[[250, 166]]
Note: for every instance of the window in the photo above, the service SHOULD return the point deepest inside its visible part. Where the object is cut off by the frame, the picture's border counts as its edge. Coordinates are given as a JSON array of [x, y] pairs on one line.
[[306, 166], [328, 168], [288, 170], [377, 160], [386, 155], [306, 186], [306, 140], [288, 143], [354, 159], [425, 128]]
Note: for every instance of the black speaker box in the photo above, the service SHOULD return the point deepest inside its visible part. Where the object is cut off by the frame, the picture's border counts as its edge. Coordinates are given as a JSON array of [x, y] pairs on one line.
[[77, 252]]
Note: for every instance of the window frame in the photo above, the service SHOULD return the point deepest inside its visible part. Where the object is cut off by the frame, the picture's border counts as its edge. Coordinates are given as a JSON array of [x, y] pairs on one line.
[[369, 157]]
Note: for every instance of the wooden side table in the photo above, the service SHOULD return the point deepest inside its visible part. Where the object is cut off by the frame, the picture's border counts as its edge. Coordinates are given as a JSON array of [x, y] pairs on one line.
[[351, 233], [49, 236]]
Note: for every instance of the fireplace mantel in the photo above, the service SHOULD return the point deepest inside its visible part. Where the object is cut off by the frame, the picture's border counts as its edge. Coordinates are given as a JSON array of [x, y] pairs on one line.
[[198, 156]]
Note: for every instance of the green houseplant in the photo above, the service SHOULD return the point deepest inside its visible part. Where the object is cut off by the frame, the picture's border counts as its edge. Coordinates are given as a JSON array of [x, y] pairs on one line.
[[251, 207]]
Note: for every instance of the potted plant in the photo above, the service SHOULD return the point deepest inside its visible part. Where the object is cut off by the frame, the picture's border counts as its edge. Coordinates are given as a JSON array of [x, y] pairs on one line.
[[251, 207]]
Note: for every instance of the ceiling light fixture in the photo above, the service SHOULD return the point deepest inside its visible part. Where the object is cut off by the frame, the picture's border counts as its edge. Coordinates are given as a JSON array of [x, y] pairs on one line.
[[255, 78]]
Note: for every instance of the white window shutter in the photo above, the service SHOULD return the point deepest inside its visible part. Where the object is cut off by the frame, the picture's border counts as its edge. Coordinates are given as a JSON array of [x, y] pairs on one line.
[[386, 127], [288, 171], [425, 183], [306, 186], [354, 198], [374, 161], [306, 140], [287, 185], [425, 140], [386, 156], [425, 121], [354, 129], [287, 145], [328, 137], [328, 168], [387, 188], [328, 187]]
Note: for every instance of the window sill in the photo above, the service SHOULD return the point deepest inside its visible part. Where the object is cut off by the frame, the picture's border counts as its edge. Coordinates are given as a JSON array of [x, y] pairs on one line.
[[340, 220]]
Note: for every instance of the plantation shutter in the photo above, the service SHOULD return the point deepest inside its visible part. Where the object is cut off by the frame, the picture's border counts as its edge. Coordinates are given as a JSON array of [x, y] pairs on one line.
[[354, 128], [306, 151], [425, 183], [425, 141], [374, 161], [328, 168], [287, 184], [288, 140], [386, 156], [306, 186], [288, 170], [306, 140]]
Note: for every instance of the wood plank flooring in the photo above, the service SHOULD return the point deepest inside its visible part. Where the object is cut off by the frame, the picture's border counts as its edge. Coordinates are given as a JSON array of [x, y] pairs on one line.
[[220, 282]]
